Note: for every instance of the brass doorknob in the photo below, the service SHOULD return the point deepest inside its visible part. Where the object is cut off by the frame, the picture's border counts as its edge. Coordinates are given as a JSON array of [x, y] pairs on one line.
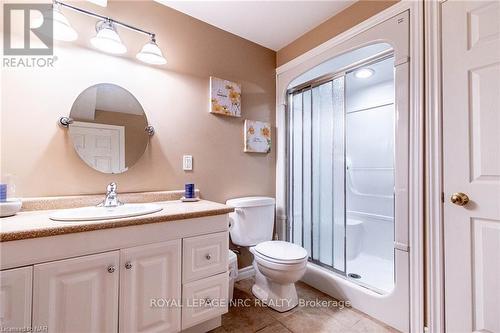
[[459, 198]]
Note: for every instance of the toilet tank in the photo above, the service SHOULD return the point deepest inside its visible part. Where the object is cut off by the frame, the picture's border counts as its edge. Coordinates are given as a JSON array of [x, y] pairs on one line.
[[252, 221]]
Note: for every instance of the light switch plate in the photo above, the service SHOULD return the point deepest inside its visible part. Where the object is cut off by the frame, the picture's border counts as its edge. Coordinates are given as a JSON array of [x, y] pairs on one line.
[[187, 162]]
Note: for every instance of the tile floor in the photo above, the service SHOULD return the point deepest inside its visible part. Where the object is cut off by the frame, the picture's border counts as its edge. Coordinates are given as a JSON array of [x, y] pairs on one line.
[[260, 319]]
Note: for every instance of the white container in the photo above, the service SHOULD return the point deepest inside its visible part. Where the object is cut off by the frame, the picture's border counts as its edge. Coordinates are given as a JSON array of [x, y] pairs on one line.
[[233, 273], [252, 221], [10, 207]]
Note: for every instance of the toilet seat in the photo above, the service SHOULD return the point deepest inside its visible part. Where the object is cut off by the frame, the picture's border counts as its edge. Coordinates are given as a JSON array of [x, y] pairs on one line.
[[278, 264], [280, 252]]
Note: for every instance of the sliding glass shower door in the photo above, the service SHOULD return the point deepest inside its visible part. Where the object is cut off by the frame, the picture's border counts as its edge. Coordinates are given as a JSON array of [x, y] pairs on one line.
[[341, 172], [317, 171]]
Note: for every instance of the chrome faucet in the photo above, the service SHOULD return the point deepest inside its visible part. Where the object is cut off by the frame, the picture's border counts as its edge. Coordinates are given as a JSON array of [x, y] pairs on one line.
[[111, 199]]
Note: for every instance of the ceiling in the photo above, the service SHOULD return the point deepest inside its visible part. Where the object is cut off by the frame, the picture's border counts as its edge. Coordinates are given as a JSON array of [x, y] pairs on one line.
[[273, 24]]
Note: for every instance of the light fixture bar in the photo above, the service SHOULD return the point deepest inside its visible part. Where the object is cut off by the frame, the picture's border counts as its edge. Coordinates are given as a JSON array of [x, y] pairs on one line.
[[102, 17]]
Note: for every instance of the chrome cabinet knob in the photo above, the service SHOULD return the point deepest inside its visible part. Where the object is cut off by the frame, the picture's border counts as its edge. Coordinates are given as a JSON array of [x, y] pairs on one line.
[[208, 256], [111, 269], [128, 265], [459, 199]]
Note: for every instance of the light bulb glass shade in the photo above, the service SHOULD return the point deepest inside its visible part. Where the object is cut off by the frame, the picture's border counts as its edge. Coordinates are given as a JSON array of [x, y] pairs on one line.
[[107, 39], [62, 29], [151, 54], [364, 73]]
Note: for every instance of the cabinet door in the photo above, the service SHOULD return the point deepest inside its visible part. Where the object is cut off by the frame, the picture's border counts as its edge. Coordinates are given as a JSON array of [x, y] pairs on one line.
[[77, 295], [15, 298], [150, 279]]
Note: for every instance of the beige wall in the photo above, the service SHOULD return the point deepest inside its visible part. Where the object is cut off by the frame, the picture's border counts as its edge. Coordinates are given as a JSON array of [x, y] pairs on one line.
[[346, 19], [175, 98]]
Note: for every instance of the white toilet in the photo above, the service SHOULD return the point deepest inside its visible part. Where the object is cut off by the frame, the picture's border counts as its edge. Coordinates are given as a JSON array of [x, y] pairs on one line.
[[278, 264]]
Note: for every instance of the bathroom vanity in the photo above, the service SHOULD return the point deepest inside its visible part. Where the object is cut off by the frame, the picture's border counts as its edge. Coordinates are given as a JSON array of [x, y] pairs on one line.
[[123, 275]]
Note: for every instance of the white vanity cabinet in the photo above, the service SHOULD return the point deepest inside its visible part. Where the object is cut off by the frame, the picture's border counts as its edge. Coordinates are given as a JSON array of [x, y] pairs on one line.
[[204, 256], [160, 277], [204, 299], [81, 294], [205, 278], [150, 275], [15, 297], [78, 294]]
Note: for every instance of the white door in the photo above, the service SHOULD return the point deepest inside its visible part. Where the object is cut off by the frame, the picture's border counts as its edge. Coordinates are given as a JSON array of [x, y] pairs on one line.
[[77, 295], [150, 277], [471, 143], [15, 298], [99, 145]]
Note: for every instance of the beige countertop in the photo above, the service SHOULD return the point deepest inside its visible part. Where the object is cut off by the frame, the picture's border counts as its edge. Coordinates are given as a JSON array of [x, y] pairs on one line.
[[34, 224]]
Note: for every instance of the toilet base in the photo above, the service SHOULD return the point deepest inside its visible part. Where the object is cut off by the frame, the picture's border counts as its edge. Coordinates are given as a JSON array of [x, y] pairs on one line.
[[277, 296]]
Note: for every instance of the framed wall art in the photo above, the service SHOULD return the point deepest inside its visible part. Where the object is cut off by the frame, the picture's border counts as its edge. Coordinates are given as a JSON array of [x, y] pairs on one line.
[[225, 97], [257, 136]]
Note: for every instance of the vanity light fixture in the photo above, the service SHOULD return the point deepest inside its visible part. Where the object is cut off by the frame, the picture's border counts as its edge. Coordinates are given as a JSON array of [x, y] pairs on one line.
[[107, 38], [364, 73], [62, 29], [151, 54]]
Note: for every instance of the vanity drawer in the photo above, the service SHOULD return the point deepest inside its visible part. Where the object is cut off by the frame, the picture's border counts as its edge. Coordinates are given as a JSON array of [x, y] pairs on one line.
[[204, 256], [204, 299]]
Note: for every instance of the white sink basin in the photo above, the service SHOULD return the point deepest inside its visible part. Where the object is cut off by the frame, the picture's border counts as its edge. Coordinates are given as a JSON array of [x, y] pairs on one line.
[[104, 213]]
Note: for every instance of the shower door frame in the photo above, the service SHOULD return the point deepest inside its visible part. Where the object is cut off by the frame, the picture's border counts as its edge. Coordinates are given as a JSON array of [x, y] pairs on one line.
[[309, 85], [365, 33]]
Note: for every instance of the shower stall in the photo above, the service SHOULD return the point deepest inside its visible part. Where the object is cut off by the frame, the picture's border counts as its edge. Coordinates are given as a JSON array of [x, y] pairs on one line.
[[344, 117], [341, 166]]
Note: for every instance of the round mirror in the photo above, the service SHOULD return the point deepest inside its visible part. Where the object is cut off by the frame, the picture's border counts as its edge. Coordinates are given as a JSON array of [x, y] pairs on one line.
[[108, 128]]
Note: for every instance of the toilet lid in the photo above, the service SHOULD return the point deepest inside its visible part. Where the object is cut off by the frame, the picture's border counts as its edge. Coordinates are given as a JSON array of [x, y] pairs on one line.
[[282, 251]]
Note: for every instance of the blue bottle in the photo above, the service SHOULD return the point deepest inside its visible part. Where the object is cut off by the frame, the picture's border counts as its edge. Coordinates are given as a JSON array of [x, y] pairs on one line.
[[189, 191], [3, 192]]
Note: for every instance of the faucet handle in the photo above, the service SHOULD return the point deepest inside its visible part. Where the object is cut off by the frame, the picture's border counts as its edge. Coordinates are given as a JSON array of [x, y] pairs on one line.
[[111, 188], [111, 199]]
